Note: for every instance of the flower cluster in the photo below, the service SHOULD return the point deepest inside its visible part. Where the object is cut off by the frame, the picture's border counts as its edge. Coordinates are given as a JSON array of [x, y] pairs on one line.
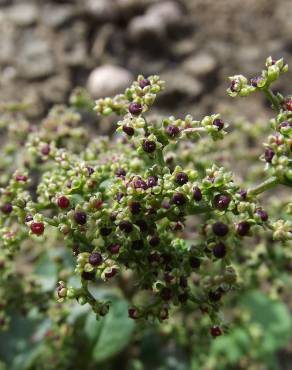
[[144, 209]]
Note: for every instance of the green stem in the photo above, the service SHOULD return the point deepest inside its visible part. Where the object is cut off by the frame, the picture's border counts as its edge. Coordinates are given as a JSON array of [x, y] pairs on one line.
[[268, 184], [272, 99], [90, 299]]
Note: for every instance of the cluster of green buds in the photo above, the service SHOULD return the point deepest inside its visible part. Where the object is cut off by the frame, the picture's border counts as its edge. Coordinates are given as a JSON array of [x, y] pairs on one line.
[[168, 233]]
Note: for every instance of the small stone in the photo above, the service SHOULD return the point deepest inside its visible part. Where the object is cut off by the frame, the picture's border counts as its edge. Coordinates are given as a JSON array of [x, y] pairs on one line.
[[108, 80], [200, 66], [23, 15]]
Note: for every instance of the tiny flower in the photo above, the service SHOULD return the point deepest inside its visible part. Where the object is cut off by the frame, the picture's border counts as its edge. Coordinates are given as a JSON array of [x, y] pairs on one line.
[[149, 146], [63, 202], [242, 228], [181, 178], [37, 228], [95, 259], [218, 123], [179, 199], [256, 81], [220, 228], [21, 178], [269, 154], [197, 194], [128, 130], [80, 218], [219, 250], [135, 108], [140, 184], [120, 172]]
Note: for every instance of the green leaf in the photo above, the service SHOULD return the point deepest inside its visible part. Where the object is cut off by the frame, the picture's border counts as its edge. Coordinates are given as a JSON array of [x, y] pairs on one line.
[[111, 334], [46, 270]]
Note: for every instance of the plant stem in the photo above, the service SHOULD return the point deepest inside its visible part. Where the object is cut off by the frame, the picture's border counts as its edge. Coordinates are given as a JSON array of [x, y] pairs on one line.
[[90, 299], [268, 184], [272, 99]]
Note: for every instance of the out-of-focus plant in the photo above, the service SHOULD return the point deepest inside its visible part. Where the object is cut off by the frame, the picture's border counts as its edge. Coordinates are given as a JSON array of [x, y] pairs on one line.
[[148, 227]]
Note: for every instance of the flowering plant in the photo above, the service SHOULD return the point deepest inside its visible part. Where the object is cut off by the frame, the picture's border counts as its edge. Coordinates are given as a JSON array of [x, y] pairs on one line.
[[151, 211]]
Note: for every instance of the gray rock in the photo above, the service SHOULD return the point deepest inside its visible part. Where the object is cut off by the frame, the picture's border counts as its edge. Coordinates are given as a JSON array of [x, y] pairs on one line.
[[108, 80], [56, 88], [57, 15], [200, 65], [168, 12], [103, 10], [23, 14], [35, 58], [146, 26]]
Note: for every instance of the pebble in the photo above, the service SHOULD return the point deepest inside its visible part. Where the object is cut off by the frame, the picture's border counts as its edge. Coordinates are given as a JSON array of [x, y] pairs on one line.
[[200, 65], [108, 80]]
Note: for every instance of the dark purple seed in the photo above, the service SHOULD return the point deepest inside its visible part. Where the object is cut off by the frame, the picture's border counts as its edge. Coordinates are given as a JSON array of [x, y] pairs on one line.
[[215, 296], [87, 275], [95, 259], [7, 208], [128, 130], [233, 86], [183, 282], [135, 108], [166, 294], [262, 214], [111, 273], [133, 313], [154, 241], [183, 297], [142, 225], [105, 231], [119, 196], [179, 199], [137, 245], [135, 207], [140, 184], [154, 258], [126, 226], [149, 146], [220, 229], [243, 194], [242, 228], [114, 248], [218, 123], [166, 258], [90, 170], [285, 124], [215, 331], [152, 181], [172, 131], [45, 150], [143, 83], [221, 201], [181, 178], [194, 262], [197, 194], [219, 250], [80, 217], [269, 154], [120, 172]]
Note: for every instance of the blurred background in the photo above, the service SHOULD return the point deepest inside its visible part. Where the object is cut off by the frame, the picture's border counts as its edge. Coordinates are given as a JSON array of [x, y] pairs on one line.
[[48, 47]]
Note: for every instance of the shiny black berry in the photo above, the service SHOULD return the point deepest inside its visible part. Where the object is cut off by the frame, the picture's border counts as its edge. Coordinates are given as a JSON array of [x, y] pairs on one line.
[[135, 108], [215, 331], [220, 229], [181, 178]]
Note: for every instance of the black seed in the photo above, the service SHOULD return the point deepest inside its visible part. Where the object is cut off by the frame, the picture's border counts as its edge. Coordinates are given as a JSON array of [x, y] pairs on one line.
[[152, 181], [215, 296], [197, 194], [172, 131], [219, 250], [128, 130], [218, 123], [166, 294], [194, 262], [135, 108], [87, 275], [242, 228], [137, 245], [7, 208], [269, 154], [149, 146], [179, 199], [181, 178], [80, 217], [140, 184], [262, 214], [154, 241], [142, 225], [126, 226], [220, 229], [95, 259], [105, 231], [120, 172], [221, 201], [135, 207], [143, 83]]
